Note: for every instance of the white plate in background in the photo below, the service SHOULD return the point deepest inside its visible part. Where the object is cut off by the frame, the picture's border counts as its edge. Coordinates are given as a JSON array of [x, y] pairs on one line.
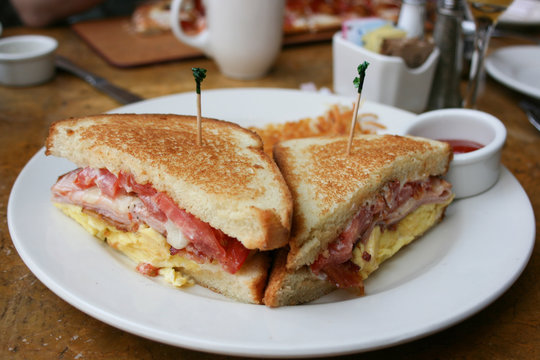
[[517, 67], [522, 12]]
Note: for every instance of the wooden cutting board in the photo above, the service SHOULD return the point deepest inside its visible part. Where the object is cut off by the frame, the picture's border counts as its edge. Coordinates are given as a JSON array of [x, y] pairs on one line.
[[115, 40]]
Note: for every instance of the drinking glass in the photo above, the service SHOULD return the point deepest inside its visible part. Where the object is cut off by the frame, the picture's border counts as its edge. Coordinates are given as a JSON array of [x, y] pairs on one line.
[[485, 14]]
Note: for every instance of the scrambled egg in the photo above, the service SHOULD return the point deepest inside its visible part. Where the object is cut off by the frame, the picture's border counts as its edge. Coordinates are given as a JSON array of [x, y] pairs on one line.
[[382, 245], [144, 246]]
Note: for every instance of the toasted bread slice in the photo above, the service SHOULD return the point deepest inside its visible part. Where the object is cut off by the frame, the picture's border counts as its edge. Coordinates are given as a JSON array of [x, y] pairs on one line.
[[330, 188], [227, 182]]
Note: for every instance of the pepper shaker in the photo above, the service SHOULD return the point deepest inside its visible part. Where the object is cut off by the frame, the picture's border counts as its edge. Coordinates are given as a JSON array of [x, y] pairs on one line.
[[447, 35]]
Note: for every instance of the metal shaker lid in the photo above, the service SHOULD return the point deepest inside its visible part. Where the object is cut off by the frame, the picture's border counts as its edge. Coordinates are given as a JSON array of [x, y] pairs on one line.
[[450, 4]]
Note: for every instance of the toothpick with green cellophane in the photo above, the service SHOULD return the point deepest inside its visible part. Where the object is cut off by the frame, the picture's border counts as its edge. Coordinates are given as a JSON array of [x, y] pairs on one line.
[[358, 83], [199, 74]]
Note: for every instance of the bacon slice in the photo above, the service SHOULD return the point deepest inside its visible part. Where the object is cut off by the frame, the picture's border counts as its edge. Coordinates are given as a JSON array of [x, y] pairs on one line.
[[340, 250], [122, 211], [345, 275]]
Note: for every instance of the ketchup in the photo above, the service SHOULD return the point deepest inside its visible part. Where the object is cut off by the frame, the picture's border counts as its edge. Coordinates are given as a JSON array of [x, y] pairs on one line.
[[462, 146]]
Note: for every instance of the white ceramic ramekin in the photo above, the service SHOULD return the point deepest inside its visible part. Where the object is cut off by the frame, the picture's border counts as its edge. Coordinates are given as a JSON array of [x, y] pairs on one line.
[[388, 80], [26, 60], [473, 172]]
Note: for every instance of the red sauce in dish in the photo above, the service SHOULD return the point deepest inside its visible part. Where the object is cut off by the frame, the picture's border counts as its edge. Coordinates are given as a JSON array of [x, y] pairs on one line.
[[462, 146]]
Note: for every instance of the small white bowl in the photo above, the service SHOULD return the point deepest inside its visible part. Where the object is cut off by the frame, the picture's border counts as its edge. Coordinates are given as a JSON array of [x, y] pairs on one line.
[[388, 80], [26, 60], [473, 172]]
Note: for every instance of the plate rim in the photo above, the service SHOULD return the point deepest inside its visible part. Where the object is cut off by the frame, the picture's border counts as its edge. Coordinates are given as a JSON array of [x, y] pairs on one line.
[[493, 70], [507, 18]]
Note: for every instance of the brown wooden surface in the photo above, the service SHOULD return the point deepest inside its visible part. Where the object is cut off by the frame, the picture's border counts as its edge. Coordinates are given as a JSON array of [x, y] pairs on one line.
[[116, 41], [37, 324]]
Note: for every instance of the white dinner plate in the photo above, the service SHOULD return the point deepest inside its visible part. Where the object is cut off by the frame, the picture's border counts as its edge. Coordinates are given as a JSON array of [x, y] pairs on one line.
[[522, 12], [455, 270], [517, 67]]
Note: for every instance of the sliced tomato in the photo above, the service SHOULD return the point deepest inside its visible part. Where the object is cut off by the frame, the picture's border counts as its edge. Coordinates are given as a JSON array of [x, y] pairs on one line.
[[236, 252], [86, 178], [108, 183]]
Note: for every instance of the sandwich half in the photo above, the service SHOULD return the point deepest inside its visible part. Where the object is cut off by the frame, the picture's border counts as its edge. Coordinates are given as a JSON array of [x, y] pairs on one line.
[[352, 212], [204, 214]]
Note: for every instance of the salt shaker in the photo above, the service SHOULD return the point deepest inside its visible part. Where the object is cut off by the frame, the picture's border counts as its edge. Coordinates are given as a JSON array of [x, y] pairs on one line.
[[447, 35], [412, 16]]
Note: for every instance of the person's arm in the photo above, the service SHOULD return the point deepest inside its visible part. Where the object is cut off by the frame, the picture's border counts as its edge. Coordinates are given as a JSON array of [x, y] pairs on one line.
[[44, 12]]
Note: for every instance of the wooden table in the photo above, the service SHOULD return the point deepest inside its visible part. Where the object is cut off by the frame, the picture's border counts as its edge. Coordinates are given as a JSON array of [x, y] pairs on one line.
[[37, 324]]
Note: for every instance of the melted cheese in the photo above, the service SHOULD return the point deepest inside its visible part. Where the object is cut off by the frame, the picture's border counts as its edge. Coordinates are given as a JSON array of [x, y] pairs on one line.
[[382, 245], [144, 246], [175, 236]]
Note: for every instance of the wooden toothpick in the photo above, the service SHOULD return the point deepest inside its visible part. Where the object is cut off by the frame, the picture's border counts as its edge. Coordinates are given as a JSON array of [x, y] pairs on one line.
[[199, 74], [358, 83]]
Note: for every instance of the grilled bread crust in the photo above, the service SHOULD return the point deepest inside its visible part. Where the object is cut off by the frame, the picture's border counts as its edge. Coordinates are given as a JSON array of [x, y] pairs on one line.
[[247, 285], [292, 287], [329, 186], [228, 181]]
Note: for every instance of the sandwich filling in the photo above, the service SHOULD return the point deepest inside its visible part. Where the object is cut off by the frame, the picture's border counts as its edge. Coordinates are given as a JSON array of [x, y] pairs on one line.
[[392, 204], [128, 205]]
